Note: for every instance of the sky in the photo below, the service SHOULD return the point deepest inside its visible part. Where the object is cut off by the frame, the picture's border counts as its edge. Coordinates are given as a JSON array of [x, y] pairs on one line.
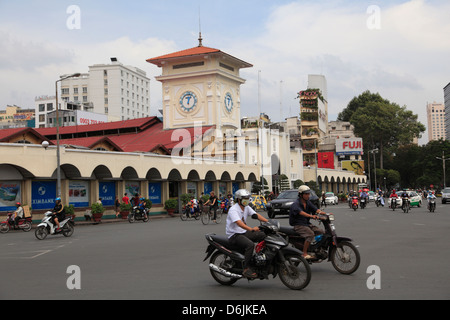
[[400, 49]]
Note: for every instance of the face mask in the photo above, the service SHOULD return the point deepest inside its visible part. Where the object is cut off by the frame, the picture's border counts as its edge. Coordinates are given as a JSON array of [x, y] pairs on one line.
[[245, 202]]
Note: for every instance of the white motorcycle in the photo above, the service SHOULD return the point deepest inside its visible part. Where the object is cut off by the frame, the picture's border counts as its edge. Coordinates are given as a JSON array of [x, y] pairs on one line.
[[47, 227]]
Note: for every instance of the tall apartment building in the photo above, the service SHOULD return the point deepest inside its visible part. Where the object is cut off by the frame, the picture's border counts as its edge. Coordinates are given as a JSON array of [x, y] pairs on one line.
[[118, 91], [436, 121], [447, 110]]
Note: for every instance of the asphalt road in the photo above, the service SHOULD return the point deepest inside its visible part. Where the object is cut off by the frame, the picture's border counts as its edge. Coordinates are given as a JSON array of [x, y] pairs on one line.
[[163, 260]]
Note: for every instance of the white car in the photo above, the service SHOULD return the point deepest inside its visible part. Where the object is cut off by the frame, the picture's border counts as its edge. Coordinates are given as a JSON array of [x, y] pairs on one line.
[[446, 195], [414, 199], [330, 198]]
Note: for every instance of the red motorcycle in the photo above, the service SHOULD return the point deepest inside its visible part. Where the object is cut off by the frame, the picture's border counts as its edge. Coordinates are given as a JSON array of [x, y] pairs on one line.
[[23, 224], [354, 203]]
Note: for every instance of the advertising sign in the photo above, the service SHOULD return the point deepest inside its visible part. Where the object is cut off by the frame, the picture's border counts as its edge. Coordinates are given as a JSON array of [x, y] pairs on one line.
[[132, 187], [79, 193], [43, 194], [357, 166], [325, 160], [154, 192], [86, 118], [351, 146], [107, 191], [9, 195]]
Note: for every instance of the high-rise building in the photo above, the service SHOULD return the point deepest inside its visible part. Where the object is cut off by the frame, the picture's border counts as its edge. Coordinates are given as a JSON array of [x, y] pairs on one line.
[[118, 91], [436, 121], [447, 110]]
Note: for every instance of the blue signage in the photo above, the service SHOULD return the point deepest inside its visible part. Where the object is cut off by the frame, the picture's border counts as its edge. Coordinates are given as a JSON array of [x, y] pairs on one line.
[[208, 188], [43, 194], [107, 192], [154, 192]]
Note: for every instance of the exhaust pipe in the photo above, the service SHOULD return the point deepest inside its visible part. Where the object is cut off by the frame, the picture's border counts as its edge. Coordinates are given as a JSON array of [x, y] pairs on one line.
[[224, 272]]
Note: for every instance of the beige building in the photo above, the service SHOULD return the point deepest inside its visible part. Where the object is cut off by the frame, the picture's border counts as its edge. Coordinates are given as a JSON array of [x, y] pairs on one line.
[[436, 121]]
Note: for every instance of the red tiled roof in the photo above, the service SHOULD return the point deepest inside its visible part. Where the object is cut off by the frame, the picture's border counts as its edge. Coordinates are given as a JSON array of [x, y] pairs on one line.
[[200, 50], [88, 142], [185, 53], [8, 134]]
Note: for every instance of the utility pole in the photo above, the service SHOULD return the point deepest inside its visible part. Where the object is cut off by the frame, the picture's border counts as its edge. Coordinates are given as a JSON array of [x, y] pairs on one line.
[[443, 164]]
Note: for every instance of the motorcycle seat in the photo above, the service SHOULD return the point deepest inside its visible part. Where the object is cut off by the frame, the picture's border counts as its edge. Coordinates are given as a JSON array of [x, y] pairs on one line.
[[224, 241], [289, 231]]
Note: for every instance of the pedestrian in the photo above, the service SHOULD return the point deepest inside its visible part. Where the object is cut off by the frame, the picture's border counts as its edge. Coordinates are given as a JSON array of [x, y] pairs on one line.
[[117, 206], [213, 205], [125, 199]]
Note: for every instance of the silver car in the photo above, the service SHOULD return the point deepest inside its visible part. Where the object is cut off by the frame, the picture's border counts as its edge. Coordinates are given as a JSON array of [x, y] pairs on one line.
[[445, 195]]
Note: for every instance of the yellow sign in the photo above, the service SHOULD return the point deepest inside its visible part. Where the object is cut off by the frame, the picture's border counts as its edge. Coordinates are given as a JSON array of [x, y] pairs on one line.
[[357, 166]]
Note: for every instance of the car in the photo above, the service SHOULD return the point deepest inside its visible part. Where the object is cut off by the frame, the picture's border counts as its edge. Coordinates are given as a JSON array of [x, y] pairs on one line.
[[445, 195], [371, 196], [282, 204], [414, 199], [330, 198]]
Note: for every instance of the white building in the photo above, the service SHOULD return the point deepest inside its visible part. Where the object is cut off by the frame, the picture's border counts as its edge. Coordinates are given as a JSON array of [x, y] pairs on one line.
[[436, 121], [118, 91]]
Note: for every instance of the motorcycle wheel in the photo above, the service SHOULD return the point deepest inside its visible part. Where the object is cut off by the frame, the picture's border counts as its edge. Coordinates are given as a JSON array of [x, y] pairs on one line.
[[345, 258], [221, 260], [67, 230], [183, 216], [26, 226], [41, 233], [145, 219], [131, 218], [4, 228], [297, 274]]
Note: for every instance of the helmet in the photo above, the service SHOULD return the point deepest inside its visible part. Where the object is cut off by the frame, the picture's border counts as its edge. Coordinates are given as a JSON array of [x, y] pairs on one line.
[[304, 189], [58, 199], [242, 193], [18, 204]]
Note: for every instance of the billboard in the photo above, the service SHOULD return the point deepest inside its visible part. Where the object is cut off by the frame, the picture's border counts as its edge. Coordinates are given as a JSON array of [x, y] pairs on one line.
[[357, 166], [86, 118], [351, 146], [325, 160]]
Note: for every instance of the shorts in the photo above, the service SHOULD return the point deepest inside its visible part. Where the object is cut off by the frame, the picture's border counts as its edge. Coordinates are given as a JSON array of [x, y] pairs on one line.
[[308, 232]]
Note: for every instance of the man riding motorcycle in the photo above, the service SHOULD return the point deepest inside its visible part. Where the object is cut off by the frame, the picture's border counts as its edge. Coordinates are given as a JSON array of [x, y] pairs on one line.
[[18, 214], [60, 213], [299, 214], [239, 233]]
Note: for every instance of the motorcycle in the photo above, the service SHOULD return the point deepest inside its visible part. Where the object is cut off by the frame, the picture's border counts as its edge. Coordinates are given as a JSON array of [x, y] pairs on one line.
[[379, 201], [271, 256], [354, 203], [23, 224], [405, 204], [344, 256], [432, 204], [393, 203], [190, 211], [137, 214], [363, 203], [47, 227]]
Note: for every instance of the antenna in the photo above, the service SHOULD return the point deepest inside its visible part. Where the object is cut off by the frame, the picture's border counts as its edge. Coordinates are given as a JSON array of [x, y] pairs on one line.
[[199, 29]]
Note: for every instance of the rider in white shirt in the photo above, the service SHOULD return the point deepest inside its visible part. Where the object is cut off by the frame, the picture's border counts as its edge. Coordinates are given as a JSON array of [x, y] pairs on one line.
[[239, 233]]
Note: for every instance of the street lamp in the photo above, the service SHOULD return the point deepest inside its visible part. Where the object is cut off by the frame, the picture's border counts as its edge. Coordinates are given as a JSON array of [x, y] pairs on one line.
[[373, 151], [58, 157], [443, 164]]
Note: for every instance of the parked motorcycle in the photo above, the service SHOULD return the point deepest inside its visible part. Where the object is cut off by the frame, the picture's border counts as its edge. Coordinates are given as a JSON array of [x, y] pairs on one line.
[[432, 204], [23, 224], [272, 256], [344, 256], [355, 203], [47, 227], [137, 214]]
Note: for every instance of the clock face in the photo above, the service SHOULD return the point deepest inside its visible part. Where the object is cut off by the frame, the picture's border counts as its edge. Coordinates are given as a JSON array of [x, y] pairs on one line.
[[188, 101], [228, 102]]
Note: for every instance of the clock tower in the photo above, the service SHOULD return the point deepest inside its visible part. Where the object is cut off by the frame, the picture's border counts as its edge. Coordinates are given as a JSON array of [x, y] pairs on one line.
[[200, 85]]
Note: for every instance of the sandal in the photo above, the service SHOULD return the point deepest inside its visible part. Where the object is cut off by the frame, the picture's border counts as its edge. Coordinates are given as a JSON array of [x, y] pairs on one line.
[[249, 274]]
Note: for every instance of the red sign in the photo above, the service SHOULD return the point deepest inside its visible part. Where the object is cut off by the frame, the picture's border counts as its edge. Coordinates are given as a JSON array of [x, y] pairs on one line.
[[325, 160]]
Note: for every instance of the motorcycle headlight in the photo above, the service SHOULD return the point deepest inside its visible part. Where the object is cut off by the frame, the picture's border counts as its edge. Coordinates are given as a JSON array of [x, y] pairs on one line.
[[331, 217]]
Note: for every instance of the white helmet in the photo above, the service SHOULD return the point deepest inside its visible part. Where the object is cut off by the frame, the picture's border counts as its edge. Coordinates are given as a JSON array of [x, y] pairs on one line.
[[304, 189], [242, 193]]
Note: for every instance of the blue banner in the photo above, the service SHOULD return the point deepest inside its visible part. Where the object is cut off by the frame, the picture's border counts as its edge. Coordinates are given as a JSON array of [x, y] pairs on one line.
[[154, 192], [43, 194], [107, 192], [208, 188]]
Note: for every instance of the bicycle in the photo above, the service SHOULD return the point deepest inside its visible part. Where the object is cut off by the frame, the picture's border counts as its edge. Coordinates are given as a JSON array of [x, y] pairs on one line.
[[207, 215]]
